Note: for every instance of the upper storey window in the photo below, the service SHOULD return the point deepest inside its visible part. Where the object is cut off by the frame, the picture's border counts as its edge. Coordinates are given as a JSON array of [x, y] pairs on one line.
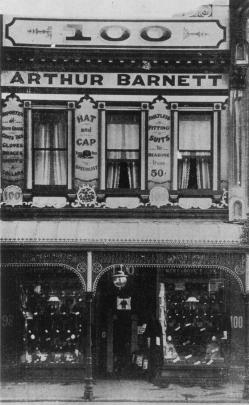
[[49, 148], [123, 150], [195, 151]]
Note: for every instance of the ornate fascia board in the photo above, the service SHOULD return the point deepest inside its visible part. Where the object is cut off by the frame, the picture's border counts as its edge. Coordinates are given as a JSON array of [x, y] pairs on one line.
[[44, 266], [189, 262], [121, 61], [154, 243]]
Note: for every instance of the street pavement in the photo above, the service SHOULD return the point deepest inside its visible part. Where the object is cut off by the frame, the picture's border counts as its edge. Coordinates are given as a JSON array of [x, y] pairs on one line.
[[118, 391]]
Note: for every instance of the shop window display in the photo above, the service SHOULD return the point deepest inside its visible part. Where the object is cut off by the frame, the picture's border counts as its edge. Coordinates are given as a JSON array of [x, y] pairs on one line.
[[54, 325], [197, 323]]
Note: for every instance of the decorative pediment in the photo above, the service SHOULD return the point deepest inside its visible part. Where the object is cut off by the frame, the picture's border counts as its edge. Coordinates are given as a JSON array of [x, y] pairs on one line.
[[204, 11]]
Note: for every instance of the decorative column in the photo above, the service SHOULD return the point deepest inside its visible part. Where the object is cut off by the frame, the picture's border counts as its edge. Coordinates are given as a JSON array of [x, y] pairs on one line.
[[246, 384], [88, 394], [102, 130]]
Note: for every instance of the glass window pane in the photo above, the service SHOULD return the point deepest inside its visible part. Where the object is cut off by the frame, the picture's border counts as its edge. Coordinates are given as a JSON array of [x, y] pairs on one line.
[[54, 309], [50, 129], [197, 322], [122, 175], [122, 131], [194, 173], [123, 143], [50, 167], [195, 131], [131, 155]]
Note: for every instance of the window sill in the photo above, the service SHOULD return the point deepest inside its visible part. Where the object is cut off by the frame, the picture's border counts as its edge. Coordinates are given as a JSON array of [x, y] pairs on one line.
[[143, 195], [122, 193], [50, 191], [9, 213], [215, 195], [202, 193]]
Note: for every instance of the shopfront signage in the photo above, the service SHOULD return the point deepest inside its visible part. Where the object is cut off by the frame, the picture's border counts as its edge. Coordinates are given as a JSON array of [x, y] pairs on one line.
[[12, 142], [114, 33], [183, 81], [159, 137], [12, 195], [124, 304], [236, 321], [86, 142]]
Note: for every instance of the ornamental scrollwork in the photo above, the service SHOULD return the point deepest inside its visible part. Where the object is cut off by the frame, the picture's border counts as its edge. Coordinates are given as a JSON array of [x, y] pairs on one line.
[[86, 197], [96, 267], [45, 257], [82, 267], [231, 260], [204, 11]]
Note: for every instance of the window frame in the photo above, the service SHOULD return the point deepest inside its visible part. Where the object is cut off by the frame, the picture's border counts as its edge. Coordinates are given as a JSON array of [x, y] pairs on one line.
[[214, 111], [103, 110], [47, 190]]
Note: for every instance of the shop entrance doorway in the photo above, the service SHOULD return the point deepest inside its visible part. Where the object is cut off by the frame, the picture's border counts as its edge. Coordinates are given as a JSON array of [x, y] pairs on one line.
[[120, 318]]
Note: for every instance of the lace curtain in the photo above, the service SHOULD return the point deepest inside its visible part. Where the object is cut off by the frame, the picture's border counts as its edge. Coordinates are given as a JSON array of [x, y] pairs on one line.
[[50, 155], [194, 168], [200, 172], [195, 132], [122, 150]]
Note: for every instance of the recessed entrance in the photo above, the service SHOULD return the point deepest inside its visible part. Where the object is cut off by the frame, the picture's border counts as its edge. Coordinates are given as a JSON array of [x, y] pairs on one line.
[[119, 318]]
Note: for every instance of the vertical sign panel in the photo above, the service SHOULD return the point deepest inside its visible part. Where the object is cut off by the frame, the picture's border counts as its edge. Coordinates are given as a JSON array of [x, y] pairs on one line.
[[159, 136], [86, 143], [12, 142]]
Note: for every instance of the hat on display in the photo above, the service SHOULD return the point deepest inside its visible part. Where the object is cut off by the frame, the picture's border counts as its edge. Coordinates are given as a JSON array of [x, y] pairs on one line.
[[192, 299]]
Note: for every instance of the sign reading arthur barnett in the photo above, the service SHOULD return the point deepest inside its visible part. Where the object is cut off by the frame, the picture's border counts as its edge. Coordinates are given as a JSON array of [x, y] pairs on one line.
[[86, 143], [183, 81], [12, 142], [159, 143]]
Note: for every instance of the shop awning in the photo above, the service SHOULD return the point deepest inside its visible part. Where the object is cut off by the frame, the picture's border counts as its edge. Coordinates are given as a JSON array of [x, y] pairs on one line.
[[121, 232]]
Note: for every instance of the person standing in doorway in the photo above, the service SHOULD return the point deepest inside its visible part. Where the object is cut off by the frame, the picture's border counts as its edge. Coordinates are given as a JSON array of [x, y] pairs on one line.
[[153, 333]]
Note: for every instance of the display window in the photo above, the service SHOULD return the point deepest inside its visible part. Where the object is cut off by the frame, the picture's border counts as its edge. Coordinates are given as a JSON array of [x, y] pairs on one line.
[[50, 311], [198, 328]]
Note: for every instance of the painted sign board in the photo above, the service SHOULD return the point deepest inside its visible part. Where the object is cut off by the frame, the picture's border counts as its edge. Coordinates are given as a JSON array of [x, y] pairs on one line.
[[86, 143], [124, 304], [182, 33], [12, 195], [185, 81], [159, 141], [12, 142]]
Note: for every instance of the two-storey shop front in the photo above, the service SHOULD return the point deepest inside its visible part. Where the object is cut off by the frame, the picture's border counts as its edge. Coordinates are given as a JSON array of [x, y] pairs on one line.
[[116, 146]]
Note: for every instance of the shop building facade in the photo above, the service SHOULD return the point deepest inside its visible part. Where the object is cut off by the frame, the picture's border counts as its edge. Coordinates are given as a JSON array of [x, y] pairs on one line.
[[123, 158]]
